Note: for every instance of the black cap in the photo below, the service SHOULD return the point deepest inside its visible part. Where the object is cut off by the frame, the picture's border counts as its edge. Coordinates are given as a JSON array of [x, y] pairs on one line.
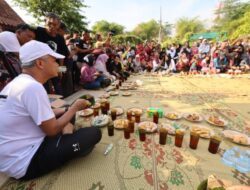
[[89, 59]]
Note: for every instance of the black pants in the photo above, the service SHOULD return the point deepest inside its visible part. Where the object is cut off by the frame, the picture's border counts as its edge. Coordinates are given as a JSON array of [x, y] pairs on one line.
[[56, 151]]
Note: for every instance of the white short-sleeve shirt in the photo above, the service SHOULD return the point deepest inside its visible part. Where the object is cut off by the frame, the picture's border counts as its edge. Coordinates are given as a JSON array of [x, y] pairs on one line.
[[21, 113]]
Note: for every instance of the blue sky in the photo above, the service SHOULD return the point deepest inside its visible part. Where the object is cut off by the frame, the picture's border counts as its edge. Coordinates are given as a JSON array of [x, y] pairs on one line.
[[129, 13]]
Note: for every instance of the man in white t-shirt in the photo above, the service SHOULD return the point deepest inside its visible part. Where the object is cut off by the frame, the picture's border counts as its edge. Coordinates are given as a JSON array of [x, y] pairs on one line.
[[31, 139]]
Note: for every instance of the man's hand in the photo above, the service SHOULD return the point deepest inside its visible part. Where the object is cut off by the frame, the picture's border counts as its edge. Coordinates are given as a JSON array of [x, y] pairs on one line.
[[80, 104]]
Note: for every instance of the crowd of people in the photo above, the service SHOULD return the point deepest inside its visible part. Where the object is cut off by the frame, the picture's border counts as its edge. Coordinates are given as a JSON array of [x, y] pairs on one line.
[[34, 138], [93, 62]]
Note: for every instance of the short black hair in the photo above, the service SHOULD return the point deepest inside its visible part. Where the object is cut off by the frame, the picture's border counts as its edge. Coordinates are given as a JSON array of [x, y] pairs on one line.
[[24, 26], [52, 15]]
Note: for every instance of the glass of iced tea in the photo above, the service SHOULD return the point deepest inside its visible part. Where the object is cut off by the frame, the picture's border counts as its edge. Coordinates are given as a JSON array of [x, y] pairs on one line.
[[104, 109], [96, 111], [111, 129], [194, 139], [163, 136], [129, 115], [113, 114], [142, 134], [107, 104], [156, 117], [214, 144], [179, 134], [126, 132], [131, 125], [137, 117]]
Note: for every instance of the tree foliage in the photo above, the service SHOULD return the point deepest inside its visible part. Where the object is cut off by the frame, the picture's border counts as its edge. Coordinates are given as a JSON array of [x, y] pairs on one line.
[[127, 38], [233, 17], [104, 27], [150, 30], [185, 27], [68, 10]]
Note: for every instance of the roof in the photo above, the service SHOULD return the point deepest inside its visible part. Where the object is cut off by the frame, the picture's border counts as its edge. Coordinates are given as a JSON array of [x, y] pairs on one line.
[[8, 16]]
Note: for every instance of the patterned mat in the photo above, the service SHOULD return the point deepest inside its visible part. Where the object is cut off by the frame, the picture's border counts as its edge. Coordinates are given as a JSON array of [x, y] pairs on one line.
[[147, 165]]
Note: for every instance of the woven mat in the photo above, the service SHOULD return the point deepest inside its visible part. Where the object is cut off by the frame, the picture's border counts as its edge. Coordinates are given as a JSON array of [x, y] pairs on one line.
[[135, 165]]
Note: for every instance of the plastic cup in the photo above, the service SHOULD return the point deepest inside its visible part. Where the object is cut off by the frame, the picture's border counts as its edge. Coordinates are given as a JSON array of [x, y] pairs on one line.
[[111, 129], [131, 125], [142, 134], [113, 114], [156, 117], [163, 136], [107, 104], [129, 115], [126, 132], [104, 109], [214, 144], [137, 117], [96, 111], [179, 134], [194, 139]]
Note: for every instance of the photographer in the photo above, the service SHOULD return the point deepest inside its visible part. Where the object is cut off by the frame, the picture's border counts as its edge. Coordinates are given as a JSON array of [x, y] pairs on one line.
[[100, 43]]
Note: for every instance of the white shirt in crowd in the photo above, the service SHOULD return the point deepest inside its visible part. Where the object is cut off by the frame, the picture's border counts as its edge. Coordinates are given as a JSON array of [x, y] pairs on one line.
[[21, 113]]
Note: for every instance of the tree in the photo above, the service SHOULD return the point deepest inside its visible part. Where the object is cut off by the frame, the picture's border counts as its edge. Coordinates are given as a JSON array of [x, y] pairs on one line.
[[104, 27], [185, 27], [233, 18], [68, 10], [150, 30], [125, 38]]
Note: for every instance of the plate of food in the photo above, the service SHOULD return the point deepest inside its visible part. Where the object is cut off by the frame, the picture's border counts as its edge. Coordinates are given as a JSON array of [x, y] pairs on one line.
[[100, 121], [193, 117], [236, 137], [203, 131], [126, 94], [96, 106], [134, 110], [114, 93], [102, 100], [148, 126], [120, 123], [216, 120], [86, 112], [119, 110], [124, 88], [173, 116], [107, 95], [171, 128]]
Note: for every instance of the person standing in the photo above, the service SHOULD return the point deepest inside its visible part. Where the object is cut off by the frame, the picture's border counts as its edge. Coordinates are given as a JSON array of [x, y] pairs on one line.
[[50, 36]]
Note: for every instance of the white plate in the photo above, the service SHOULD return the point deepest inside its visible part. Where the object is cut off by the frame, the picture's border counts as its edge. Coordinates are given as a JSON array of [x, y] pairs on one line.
[[134, 110], [119, 110], [114, 93], [126, 94], [107, 95], [203, 131], [124, 88], [170, 128], [149, 126], [178, 115], [218, 125], [86, 112], [97, 105], [100, 121], [236, 137], [186, 116], [120, 123]]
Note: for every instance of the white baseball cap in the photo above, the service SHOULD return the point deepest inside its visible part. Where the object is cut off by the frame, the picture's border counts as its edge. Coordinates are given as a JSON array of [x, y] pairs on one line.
[[33, 50], [9, 41]]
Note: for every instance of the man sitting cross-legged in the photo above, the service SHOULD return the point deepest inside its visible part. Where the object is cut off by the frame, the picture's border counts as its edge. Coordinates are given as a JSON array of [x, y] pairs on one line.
[[31, 139]]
